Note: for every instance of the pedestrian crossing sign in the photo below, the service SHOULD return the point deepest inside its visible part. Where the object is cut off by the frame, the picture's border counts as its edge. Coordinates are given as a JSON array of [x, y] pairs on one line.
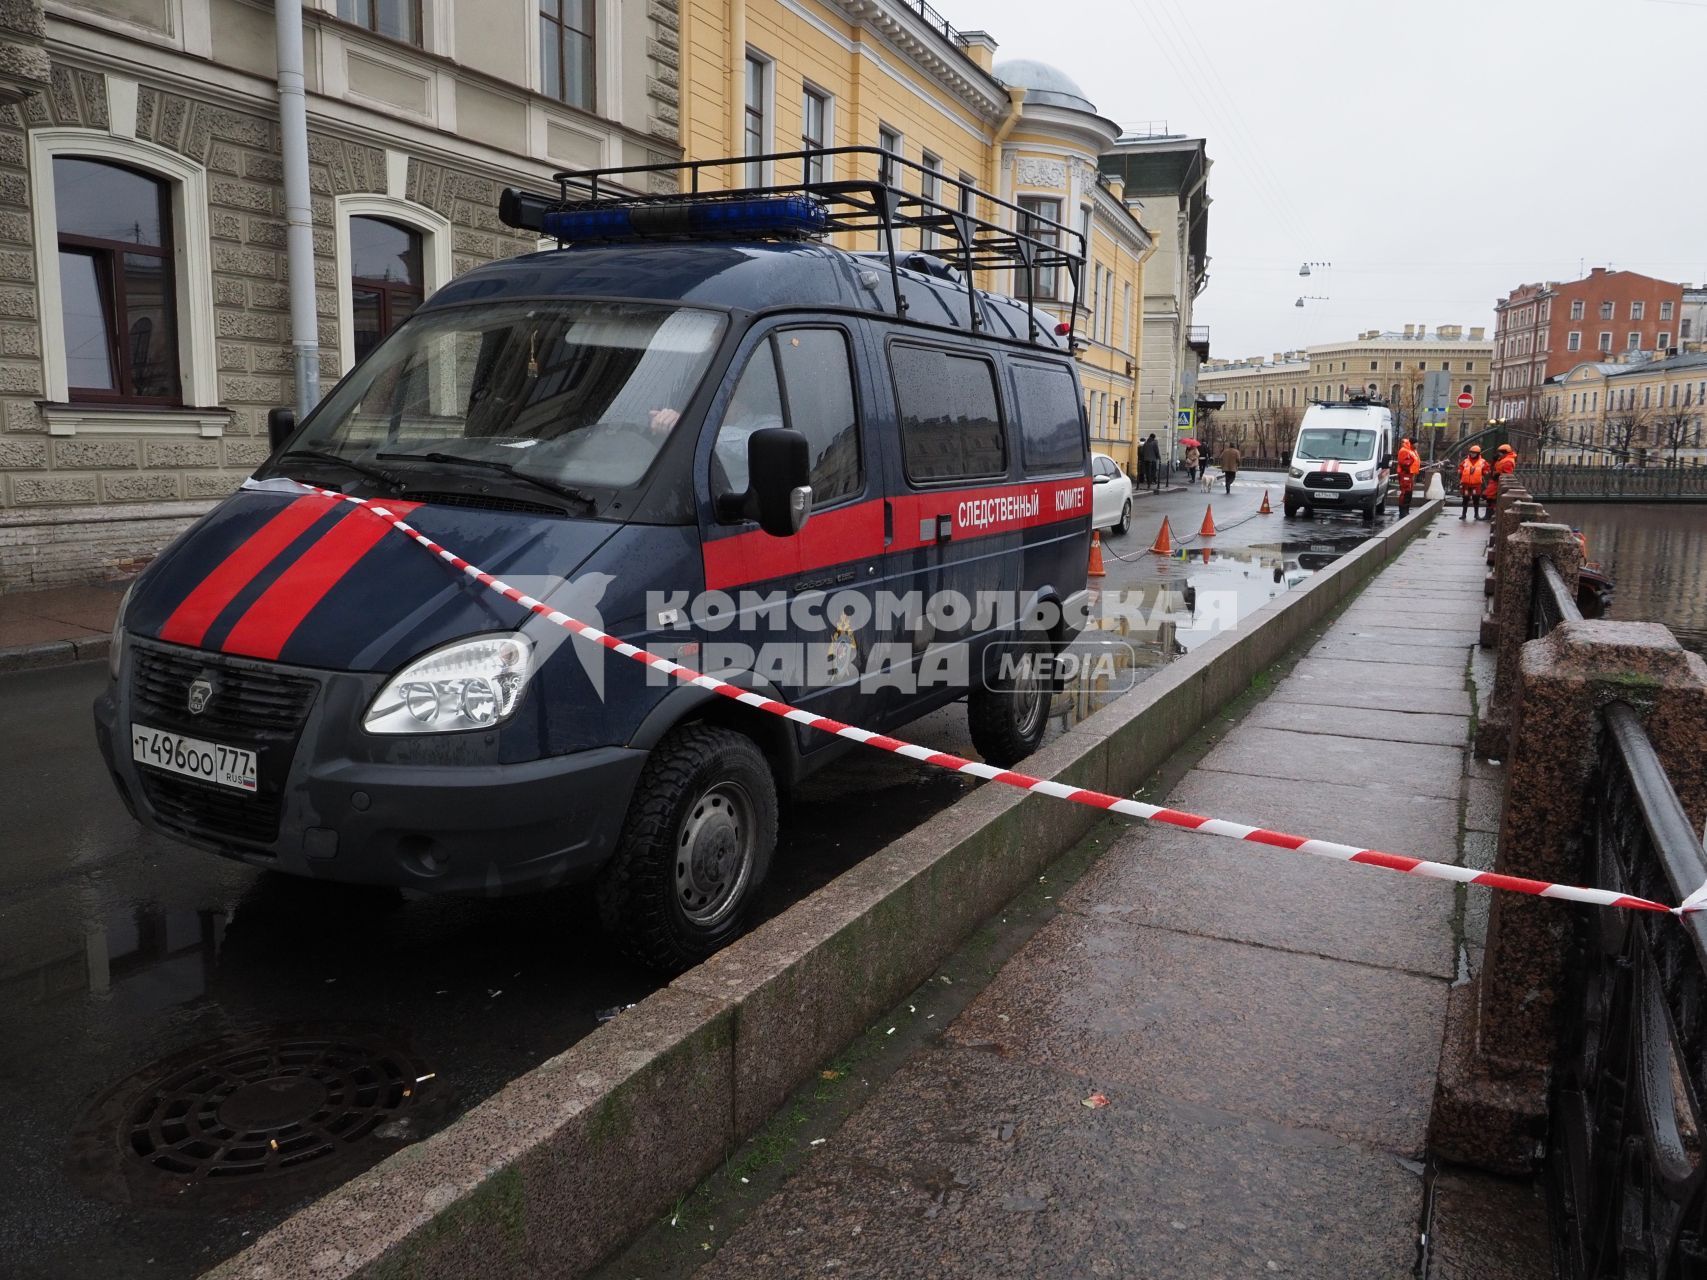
[[1183, 419]]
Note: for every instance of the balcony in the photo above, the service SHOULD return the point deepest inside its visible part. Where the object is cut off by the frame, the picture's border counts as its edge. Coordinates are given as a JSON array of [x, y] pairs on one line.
[[1197, 338]]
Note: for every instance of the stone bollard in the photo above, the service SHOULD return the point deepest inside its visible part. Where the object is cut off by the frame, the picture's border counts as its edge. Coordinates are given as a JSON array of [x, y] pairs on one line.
[[1527, 544], [1513, 513], [1503, 1029]]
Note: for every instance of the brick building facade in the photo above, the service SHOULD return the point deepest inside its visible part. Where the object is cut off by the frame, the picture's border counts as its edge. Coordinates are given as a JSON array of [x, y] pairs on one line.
[[1544, 330], [411, 134]]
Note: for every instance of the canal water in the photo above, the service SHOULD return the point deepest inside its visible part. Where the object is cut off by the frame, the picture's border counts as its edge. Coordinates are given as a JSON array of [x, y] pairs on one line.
[[1658, 555]]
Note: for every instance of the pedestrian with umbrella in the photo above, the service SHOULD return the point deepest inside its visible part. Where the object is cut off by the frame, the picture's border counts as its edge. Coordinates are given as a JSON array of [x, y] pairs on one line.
[[1193, 456]]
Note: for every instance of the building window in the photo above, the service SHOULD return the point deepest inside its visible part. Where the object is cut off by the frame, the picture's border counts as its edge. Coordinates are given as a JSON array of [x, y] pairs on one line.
[[116, 282], [1043, 215], [1577, 309], [930, 187], [1638, 310], [1665, 311], [1606, 339], [566, 51], [890, 141], [1606, 311], [756, 130], [814, 130], [1574, 340], [393, 19], [1633, 340], [1665, 340], [964, 200], [386, 279]]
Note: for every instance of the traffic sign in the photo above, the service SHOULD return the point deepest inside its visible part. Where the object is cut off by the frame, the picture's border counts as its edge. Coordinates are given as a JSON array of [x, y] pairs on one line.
[[1466, 400], [1183, 417]]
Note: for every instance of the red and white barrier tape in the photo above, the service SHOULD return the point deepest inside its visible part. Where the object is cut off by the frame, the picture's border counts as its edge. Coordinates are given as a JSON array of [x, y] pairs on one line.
[[1042, 786]]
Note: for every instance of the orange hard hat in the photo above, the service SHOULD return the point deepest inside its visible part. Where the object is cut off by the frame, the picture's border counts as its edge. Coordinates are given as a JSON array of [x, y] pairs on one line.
[[1475, 448], [1505, 448]]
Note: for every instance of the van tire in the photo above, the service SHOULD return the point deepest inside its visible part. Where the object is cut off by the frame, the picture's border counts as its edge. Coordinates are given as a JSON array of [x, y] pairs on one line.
[[1290, 507], [708, 788], [1006, 724]]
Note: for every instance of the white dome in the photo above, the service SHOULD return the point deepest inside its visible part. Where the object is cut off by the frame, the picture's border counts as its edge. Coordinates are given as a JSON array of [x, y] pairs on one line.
[[1043, 84]]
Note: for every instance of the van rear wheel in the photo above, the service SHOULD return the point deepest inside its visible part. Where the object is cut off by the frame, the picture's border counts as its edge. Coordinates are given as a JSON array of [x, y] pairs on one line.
[[1009, 711], [695, 847]]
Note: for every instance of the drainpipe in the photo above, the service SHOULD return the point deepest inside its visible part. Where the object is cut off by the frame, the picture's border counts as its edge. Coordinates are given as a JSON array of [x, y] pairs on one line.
[[737, 86], [1016, 102], [299, 213]]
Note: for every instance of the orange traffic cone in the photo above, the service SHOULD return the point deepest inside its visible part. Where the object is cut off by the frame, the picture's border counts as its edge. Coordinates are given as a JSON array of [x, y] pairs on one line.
[[1096, 570], [1265, 509], [1208, 529], [1164, 544]]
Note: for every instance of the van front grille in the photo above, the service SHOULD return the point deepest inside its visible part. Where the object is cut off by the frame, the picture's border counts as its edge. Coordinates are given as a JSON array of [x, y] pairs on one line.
[[202, 809], [247, 701], [1328, 480]]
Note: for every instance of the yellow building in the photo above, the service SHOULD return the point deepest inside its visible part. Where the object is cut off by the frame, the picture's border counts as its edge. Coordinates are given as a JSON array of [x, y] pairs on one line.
[[1651, 413], [771, 76]]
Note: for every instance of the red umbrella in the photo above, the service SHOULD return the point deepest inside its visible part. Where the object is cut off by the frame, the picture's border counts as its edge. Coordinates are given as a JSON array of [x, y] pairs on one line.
[[1189, 443]]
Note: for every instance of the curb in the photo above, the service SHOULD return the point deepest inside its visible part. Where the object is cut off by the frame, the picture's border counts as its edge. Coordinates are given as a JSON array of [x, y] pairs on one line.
[[54, 653], [568, 1161]]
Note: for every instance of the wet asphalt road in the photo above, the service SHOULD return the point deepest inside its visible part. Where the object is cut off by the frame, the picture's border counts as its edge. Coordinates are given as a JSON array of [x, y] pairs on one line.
[[119, 949]]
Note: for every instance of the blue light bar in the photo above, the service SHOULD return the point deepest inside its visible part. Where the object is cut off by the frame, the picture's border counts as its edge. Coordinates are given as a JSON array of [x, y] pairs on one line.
[[793, 217]]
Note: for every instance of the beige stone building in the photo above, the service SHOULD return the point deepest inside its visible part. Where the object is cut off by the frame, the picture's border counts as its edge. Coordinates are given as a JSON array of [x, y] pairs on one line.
[[1649, 413], [144, 325], [1265, 398]]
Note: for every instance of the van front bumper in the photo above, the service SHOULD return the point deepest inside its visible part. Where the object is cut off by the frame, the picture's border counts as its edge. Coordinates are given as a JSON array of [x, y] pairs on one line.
[[1357, 495], [444, 825]]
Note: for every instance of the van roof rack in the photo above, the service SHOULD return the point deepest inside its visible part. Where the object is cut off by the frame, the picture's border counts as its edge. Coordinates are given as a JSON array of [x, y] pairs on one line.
[[600, 205]]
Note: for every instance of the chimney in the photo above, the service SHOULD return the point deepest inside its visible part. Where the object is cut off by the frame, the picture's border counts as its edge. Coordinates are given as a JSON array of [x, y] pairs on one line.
[[1451, 332], [1410, 331], [1597, 271], [1477, 333], [980, 48], [1280, 357]]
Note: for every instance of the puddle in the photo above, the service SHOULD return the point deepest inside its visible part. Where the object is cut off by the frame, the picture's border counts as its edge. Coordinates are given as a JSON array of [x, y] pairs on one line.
[[1195, 595]]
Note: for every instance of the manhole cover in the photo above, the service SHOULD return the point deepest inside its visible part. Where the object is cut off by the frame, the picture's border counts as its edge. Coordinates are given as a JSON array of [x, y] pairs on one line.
[[274, 1107]]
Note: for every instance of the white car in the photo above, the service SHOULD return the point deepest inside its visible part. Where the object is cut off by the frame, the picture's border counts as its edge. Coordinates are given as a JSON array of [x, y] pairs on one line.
[[1111, 495]]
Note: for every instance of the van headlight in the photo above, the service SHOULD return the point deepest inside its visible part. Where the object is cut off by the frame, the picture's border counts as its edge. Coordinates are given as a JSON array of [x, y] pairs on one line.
[[115, 647], [1297, 473], [1367, 473], [472, 684]]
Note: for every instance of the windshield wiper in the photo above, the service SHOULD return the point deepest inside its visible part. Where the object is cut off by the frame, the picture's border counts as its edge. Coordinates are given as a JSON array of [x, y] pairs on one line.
[[493, 464], [390, 481]]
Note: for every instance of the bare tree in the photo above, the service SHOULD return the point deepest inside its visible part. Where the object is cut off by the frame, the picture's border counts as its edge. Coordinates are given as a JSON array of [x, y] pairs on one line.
[[1672, 428], [1626, 428], [1544, 422]]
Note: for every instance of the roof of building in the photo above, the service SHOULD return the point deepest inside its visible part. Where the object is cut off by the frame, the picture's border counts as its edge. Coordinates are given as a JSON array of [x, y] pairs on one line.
[[1693, 360], [1044, 85]]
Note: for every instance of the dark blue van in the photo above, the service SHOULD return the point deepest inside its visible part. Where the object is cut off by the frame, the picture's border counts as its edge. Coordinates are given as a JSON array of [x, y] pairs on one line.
[[850, 481]]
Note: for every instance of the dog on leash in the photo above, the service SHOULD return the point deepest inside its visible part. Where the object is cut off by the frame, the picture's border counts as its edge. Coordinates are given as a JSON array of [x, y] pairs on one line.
[[1207, 482]]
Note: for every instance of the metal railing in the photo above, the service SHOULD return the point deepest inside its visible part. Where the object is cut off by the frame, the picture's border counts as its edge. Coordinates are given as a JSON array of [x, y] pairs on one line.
[[1626, 1182], [1625, 1174], [1553, 482]]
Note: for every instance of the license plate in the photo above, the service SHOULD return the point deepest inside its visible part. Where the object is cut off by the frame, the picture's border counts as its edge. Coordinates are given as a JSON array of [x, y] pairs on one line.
[[1327, 497], [193, 758]]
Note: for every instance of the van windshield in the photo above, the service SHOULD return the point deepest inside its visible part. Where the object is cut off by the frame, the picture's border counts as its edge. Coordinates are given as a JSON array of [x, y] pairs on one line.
[[573, 393], [1329, 444]]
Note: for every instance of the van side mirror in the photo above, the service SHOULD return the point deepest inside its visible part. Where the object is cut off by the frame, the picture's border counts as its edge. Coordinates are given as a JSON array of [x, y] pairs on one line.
[[779, 483], [280, 423]]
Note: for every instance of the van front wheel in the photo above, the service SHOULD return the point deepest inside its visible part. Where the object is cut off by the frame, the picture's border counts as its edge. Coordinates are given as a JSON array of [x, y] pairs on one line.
[[695, 847], [1008, 712]]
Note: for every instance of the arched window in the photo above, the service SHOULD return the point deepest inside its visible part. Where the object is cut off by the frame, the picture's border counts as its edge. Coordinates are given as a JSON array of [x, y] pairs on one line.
[[117, 282], [387, 282]]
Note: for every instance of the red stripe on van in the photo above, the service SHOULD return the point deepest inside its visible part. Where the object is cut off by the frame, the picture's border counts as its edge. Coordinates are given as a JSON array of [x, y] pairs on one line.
[[268, 623], [856, 532], [190, 621], [833, 537]]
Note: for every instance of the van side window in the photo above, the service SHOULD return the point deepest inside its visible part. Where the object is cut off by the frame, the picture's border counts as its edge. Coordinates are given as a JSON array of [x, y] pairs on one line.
[[1046, 402], [818, 383], [814, 396], [951, 422], [757, 403]]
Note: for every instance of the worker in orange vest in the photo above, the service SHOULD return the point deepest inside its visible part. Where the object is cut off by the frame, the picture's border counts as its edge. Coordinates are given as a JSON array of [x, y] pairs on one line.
[[1410, 462], [1504, 465], [1472, 479]]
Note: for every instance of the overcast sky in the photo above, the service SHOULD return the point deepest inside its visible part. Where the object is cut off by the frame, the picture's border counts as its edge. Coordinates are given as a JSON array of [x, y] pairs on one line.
[[1437, 152]]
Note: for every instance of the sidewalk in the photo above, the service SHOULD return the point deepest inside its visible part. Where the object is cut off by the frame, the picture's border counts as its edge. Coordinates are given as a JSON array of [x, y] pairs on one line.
[[56, 625], [1265, 1026]]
